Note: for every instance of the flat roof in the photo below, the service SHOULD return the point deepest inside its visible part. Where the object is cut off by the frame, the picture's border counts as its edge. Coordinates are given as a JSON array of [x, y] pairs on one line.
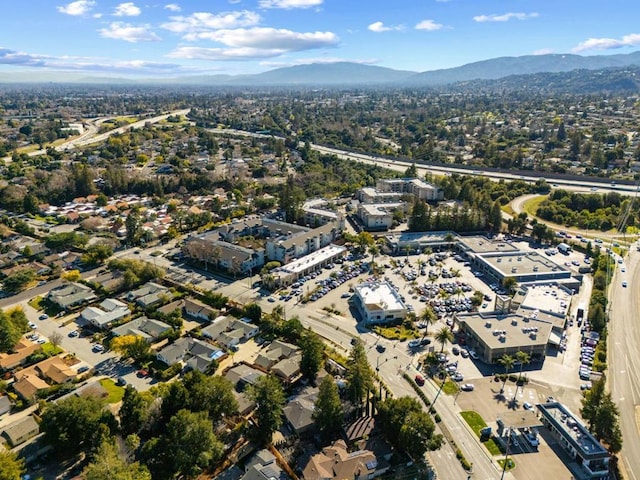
[[507, 331], [572, 428], [515, 264], [380, 208], [547, 299], [481, 244], [379, 296], [419, 237], [519, 418], [313, 259]]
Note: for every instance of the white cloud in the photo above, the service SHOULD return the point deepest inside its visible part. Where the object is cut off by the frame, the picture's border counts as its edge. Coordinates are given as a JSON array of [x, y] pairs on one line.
[[77, 8], [380, 27], [289, 4], [505, 17], [252, 43], [129, 33], [128, 9], [631, 40], [203, 21], [13, 57], [429, 25], [543, 51], [173, 7]]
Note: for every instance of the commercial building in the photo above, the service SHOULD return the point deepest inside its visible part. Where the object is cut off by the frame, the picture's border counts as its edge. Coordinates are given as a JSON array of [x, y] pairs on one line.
[[291, 272], [530, 322], [378, 216], [414, 186], [590, 458], [522, 266], [414, 242], [379, 303]]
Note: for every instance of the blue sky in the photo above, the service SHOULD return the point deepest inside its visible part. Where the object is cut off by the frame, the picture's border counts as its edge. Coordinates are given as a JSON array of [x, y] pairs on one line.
[[186, 37]]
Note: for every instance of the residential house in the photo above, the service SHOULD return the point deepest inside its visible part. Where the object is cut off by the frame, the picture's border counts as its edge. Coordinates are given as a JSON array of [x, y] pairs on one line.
[[29, 385], [242, 375], [198, 310], [19, 432], [148, 295], [262, 466], [195, 353], [106, 313], [21, 351], [337, 463], [56, 370], [71, 295], [147, 328], [288, 369], [276, 351], [5, 405], [229, 331], [299, 411]]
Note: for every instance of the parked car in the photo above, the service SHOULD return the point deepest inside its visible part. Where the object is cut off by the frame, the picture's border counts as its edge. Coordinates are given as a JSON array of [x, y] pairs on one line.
[[121, 381], [419, 380], [467, 387], [457, 377], [464, 353], [527, 406], [83, 369], [44, 316], [73, 333], [380, 348], [98, 348]]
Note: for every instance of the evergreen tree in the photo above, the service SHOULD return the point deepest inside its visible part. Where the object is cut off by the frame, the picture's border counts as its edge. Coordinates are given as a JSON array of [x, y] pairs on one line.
[[312, 354], [359, 374], [328, 412], [495, 217], [269, 397]]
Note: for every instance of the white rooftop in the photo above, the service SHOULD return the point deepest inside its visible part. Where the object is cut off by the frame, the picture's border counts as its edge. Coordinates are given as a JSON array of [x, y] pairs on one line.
[[379, 296], [314, 258]]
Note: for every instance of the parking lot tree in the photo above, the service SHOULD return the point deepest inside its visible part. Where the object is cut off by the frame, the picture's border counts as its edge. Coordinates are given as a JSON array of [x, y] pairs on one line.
[[364, 240], [602, 415], [443, 336], [509, 284], [328, 412], [359, 375], [597, 318], [269, 397], [134, 411], [109, 464], [507, 362], [523, 358], [312, 354], [428, 317], [11, 465], [76, 424]]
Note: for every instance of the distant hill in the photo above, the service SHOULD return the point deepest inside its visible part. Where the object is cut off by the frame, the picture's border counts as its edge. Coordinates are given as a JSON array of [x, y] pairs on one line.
[[528, 64], [353, 74]]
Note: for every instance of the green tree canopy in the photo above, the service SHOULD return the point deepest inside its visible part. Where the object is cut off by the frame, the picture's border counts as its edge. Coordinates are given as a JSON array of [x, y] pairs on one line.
[[359, 374], [328, 413], [107, 464], [74, 425], [11, 466], [269, 396], [312, 354]]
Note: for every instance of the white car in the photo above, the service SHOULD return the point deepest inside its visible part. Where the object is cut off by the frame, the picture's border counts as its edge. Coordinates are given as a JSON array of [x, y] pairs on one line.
[[624, 284], [32, 326], [467, 387], [41, 340]]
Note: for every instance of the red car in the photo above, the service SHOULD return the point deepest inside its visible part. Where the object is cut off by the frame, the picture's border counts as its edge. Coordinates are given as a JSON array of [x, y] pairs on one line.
[[143, 373], [419, 380]]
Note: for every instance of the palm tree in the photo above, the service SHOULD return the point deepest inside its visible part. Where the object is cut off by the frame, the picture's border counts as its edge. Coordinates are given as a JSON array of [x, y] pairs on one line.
[[429, 317], [443, 336], [507, 362], [523, 358]]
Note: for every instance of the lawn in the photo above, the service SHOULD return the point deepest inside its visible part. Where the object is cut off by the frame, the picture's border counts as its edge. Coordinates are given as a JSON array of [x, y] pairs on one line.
[[450, 388], [36, 303], [507, 209], [477, 423], [510, 464], [115, 392], [399, 332], [531, 206], [51, 349]]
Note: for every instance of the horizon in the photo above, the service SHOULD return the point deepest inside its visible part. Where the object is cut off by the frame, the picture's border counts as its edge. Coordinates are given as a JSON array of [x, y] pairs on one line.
[[244, 37]]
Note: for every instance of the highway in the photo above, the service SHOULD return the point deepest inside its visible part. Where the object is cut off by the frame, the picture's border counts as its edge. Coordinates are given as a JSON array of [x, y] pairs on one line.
[[624, 361]]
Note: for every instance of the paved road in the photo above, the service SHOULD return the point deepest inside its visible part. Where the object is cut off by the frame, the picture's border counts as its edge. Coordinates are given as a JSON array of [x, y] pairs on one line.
[[399, 165], [624, 361]]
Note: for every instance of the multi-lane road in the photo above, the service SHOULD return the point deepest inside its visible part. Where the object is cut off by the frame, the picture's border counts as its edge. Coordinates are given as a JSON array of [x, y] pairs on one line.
[[624, 360]]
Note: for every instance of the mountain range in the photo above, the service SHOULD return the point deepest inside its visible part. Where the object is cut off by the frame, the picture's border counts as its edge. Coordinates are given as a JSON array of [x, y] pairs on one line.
[[354, 74]]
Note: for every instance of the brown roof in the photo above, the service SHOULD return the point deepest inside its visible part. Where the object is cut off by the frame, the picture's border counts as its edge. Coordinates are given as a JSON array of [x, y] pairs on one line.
[[29, 385], [23, 349], [337, 463], [56, 370]]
